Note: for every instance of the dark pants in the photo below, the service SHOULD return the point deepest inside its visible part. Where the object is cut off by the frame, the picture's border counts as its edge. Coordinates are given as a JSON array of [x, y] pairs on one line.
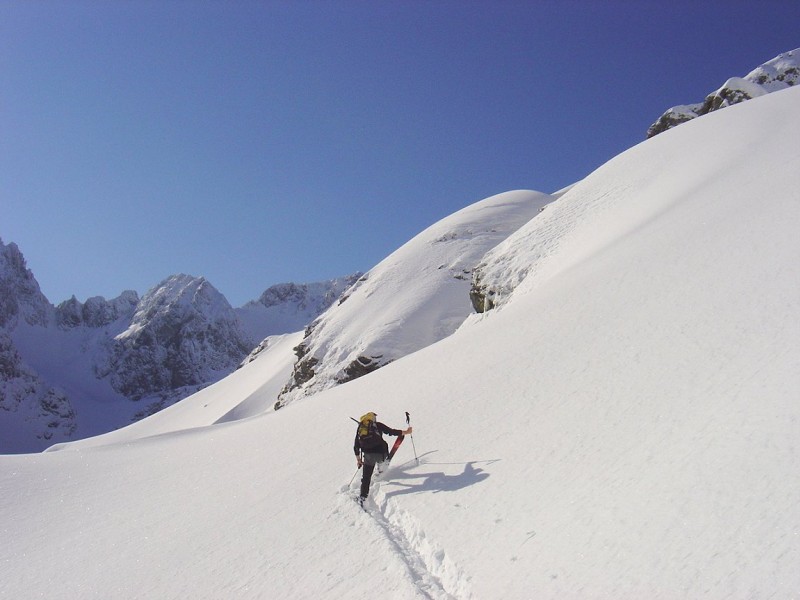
[[370, 460]]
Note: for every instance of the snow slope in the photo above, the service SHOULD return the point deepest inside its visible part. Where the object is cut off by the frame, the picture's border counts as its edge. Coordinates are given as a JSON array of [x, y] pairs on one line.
[[624, 425], [247, 392], [416, 296]]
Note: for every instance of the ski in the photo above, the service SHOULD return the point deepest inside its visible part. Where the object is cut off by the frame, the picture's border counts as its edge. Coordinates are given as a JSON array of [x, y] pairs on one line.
[[397, 443]]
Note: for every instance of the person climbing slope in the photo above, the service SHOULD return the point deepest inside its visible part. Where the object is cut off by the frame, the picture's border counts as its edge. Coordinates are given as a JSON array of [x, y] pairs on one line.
[[371, 449]]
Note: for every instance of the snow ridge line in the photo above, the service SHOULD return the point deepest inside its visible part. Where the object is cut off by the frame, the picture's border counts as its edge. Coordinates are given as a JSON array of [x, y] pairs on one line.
[[435, 574]]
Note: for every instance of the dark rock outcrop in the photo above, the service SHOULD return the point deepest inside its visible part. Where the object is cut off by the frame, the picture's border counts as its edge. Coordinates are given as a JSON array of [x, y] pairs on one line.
[[779, 73], [184, 333]]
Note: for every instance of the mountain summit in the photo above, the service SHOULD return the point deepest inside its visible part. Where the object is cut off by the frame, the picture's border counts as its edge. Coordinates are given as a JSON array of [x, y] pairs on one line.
[[20, 296], [183, 335]]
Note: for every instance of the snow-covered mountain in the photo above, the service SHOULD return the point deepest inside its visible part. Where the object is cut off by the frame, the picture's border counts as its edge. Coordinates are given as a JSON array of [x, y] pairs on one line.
[[289, 307], [622, 424], [183, 335], [777, 74], [81, 369], [416, 296]]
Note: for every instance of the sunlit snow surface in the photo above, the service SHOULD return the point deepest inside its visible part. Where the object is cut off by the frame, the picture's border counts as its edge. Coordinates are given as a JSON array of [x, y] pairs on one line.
[[625, 425]]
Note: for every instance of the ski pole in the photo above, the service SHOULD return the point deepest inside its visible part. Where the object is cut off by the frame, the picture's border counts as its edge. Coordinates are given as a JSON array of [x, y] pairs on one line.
[[353, 477], [408, 422], [358, 468]]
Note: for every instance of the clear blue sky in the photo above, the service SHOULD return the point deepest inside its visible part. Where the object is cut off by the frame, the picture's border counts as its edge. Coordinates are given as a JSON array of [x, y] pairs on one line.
[[255, 143]]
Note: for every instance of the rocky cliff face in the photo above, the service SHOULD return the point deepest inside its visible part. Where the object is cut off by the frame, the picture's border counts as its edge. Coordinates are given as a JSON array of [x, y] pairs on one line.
[[43, 412], [39, 410], [20, 296], [779, 73], [183, 335], [96, 312]]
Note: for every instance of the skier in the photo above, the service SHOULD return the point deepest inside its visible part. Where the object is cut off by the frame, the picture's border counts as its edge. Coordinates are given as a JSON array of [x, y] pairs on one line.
[[369, 442]]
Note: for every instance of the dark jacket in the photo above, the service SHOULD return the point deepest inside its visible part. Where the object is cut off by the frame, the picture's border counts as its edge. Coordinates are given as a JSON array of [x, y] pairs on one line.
[[381, 429]]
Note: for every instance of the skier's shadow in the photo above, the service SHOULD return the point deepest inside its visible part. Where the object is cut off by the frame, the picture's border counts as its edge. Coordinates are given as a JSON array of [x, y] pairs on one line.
[[437, 481]]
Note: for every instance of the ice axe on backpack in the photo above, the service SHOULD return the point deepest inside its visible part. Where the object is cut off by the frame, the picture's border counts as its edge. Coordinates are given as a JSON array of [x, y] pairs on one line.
[[408, 422]]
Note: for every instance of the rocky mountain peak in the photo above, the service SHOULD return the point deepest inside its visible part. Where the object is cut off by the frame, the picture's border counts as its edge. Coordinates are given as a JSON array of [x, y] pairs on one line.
[[180, 296], [183, 333], [96, 311], [20, 295]]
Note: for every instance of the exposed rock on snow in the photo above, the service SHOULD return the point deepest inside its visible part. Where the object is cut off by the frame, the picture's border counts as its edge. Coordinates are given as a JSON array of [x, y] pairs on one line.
[[777, 74]]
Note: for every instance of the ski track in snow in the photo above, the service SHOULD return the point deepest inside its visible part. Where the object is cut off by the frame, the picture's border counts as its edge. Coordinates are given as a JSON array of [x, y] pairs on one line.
[[434, 575]]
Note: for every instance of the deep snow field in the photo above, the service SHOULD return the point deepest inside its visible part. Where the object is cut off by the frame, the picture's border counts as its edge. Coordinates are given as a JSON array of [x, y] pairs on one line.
[[624, 425]]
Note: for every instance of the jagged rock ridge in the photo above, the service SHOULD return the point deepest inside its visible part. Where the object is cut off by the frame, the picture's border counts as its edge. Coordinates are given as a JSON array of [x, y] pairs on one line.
[[96, 311], [779, 73]]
